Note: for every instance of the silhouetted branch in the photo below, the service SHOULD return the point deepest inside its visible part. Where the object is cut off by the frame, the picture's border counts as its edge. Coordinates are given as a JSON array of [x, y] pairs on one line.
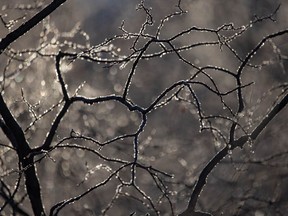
[[24, 28], [225, 151]]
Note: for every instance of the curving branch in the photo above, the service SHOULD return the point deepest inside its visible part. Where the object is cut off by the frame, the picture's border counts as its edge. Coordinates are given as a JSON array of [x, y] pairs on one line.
[[225, 151]]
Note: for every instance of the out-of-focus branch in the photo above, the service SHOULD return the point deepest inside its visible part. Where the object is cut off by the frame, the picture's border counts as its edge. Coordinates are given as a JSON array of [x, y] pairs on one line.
[[8, 196]]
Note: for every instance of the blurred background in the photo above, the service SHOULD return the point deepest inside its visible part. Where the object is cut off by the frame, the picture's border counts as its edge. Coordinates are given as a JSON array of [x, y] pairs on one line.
[[251, 181]]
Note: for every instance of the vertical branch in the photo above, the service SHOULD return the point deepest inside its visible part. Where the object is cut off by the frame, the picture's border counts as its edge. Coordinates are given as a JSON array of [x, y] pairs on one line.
[[15, 134], [136, 147], [10, 126], [33, 186], [60, 77]]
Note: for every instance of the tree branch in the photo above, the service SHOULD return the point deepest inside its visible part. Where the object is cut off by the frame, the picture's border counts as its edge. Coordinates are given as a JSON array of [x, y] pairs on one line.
[[224, 152], [25, 27], [15, 134], [12, 129]]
